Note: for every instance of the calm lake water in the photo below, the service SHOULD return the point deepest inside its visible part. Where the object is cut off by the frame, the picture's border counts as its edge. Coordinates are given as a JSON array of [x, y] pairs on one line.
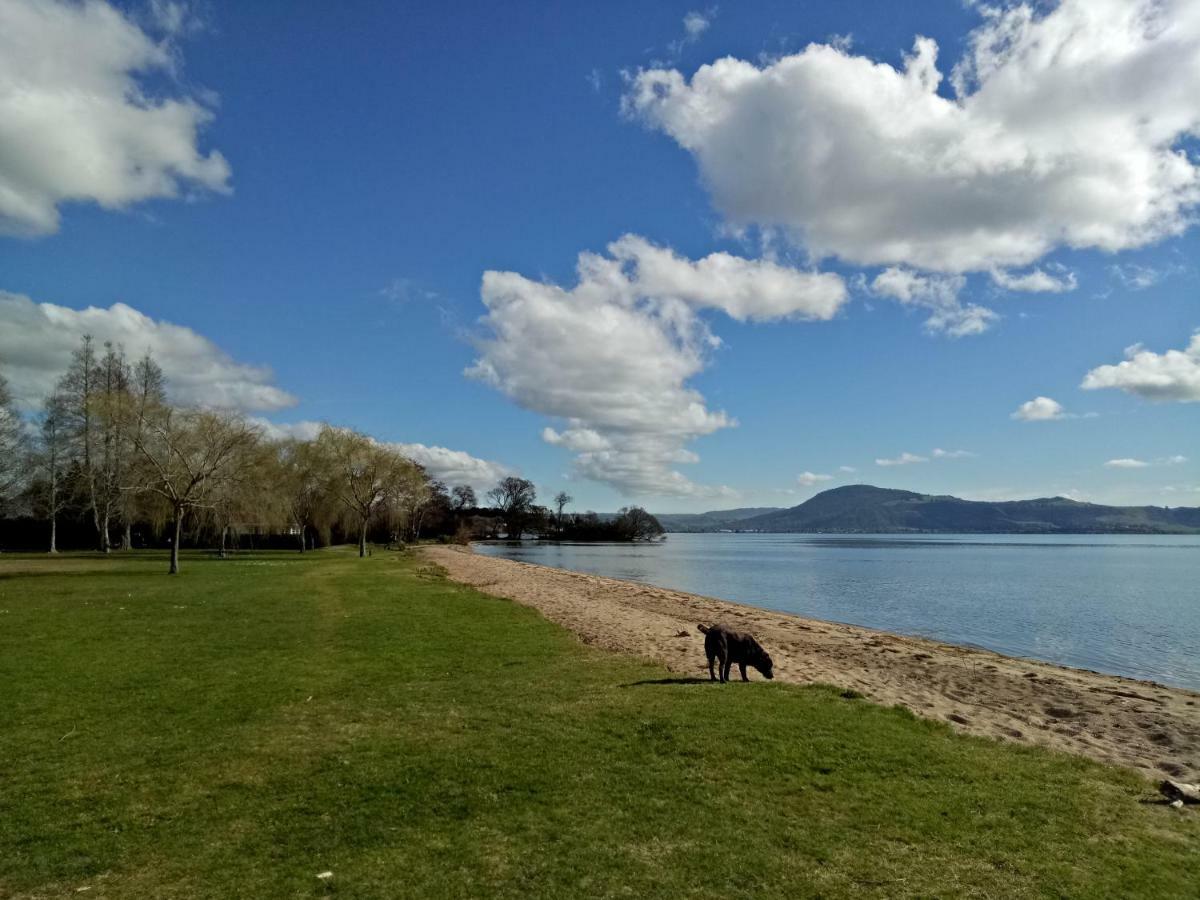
[[1127, 605]]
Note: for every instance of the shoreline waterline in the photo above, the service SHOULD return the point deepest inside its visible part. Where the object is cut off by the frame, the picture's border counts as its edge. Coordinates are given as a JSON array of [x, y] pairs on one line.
[[1123, 605], [1109, 718]]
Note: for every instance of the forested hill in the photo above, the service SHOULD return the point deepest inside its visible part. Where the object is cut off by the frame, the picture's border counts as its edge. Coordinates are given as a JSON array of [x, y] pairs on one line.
[[864, 509], [716, 520]]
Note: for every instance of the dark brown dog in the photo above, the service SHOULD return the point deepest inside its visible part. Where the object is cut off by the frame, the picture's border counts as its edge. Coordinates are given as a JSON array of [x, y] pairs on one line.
[[728, 647]]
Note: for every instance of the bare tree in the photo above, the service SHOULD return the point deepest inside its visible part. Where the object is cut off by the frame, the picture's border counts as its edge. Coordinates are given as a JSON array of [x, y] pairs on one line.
[[147, 392], [52, 456], [13, 450], [363, 474], [464, 497], [514, 498], [561, 499], [187, 456], [78, 391]]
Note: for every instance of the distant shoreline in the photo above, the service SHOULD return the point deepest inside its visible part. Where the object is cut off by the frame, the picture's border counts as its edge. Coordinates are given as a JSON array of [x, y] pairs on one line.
[[1109, 718]]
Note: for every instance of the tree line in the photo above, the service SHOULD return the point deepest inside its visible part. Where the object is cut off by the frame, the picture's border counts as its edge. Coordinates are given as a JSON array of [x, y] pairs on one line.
[[112, 458]]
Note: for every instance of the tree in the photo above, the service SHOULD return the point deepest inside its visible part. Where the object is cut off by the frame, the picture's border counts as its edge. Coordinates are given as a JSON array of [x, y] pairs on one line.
[[52, 457], [95, 394], [363, 474], [561, 499], [513, 497], [464, 497], [635, 524], [148, 391], [246, 496], [13, 459], [302, 476], [187, 457]]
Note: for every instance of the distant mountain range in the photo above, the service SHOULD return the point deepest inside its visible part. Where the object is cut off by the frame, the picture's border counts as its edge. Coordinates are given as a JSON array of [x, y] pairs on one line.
[[863, 509], [717, 520]]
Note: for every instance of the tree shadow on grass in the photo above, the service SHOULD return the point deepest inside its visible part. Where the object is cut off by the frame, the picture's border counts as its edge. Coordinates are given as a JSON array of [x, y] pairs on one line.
[[666, 681]]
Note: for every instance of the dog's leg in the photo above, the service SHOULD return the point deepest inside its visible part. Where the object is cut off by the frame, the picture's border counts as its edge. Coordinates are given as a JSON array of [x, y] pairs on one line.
[[712, 676], [742, 667], [725, 664]]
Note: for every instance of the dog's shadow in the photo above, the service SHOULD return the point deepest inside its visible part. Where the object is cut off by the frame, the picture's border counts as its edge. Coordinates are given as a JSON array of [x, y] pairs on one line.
[[666, 681]]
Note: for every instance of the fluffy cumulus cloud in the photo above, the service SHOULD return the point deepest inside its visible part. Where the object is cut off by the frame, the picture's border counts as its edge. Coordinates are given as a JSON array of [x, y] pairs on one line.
[[1059, 126], [611, 357], [76, 122], [1174, 375], [1039, 409], [36, 341], [456, 467], [938, 294]]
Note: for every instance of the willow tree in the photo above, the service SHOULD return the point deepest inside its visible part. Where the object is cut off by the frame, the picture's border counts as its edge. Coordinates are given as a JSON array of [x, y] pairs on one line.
[[188, 457], [301, 476], [362, 475]]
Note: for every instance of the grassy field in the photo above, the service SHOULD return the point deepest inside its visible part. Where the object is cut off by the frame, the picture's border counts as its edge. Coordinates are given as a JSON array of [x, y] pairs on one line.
[[238, 729]]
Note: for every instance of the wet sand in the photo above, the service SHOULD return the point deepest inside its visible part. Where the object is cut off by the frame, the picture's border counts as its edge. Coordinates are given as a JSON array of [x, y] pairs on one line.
[[1121, 721]]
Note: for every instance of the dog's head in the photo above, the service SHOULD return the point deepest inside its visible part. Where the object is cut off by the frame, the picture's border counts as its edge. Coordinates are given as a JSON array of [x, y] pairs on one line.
[[763, 662]]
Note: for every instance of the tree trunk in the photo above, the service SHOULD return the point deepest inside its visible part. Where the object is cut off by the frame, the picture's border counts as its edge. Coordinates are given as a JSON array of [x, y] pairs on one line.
[[105, 540], [127, 537], [224, 529], [53, 532], [362, 540], [175, 542], [303, 537]]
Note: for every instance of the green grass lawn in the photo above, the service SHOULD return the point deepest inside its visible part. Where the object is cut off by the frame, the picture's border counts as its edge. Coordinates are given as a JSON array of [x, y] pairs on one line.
[[235, 730]]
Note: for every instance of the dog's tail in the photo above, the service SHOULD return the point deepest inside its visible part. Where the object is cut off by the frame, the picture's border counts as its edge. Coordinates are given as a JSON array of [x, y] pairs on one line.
[[704, 629]]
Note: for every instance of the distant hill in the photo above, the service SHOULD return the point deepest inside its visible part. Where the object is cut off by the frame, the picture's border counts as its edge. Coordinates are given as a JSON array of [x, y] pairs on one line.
[[863, 509], [716, 520]]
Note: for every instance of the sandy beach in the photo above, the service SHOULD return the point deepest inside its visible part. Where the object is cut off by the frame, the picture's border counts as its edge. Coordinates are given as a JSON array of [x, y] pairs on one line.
[[1121, 721]]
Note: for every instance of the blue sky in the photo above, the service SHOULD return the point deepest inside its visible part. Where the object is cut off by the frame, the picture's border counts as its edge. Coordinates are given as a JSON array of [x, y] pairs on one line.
[[381, 159]]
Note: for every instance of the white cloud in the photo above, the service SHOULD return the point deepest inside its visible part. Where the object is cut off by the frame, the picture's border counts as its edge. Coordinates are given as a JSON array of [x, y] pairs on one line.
[[611, 356], [455, 467], [1126, 463], [758, 290], [808, 479], [1039, 409], [1064, 128], [939, 295], [1036, 281], [695, 23], [939, 453], [847, 469], [304, 430], [1174, 375], [1136, 277], [77, 125], [36, 341], [904, 459]]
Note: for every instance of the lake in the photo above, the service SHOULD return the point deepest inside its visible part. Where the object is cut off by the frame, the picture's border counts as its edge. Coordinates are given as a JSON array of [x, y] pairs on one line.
[[1122, 604]]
